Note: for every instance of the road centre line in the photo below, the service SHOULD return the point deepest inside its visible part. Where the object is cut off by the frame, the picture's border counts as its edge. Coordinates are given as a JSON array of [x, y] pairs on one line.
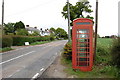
[[17, 57]]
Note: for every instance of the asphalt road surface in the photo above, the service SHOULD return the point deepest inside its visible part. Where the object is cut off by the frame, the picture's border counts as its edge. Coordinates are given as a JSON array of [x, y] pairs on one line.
[[30, 61]]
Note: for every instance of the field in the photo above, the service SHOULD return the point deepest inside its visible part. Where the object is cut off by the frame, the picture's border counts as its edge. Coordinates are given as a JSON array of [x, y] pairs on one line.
[[102, 67]]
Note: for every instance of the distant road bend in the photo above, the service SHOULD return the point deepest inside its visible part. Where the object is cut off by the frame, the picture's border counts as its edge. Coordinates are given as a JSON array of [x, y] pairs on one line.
[[30, 61]]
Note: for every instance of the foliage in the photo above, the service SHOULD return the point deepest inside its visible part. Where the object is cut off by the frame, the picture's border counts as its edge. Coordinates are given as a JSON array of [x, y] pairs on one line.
[[68, 51], [6, 41], [102, 68], [5, 49], [19, 25], [35, 33], [20, 40], [53, 30], [22, 32], [36, 43], [9, 28], [61, 33], [115, 52], [103, 51], [77, 10]]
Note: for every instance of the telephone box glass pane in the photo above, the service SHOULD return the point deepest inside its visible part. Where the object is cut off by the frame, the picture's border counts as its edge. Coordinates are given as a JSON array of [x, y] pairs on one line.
[[82, 40], [83, 54], [83, 64], [83, 36], [83, 45], [82, 49], [83, 31], [83, 59]]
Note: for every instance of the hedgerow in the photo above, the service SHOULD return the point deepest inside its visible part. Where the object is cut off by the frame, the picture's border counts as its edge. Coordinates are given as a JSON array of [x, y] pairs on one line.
[[6, 41]]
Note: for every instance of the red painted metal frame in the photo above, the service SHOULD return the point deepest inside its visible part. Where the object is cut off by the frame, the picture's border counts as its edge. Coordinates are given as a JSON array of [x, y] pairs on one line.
[[74, 43]]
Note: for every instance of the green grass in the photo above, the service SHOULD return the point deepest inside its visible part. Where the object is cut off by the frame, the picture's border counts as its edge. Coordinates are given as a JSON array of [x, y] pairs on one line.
[[37, 43], [5, 49], [102, 68]]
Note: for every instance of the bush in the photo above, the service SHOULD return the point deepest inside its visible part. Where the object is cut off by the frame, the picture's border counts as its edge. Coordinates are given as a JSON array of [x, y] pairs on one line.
[[115, 52], [68, 51], [6, 41]]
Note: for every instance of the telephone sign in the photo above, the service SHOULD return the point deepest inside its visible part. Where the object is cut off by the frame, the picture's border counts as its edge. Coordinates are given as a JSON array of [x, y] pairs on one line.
[[82, 44]]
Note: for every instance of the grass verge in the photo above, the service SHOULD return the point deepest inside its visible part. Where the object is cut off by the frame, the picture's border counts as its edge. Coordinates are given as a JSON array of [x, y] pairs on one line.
[[5, 49], [37, 43]]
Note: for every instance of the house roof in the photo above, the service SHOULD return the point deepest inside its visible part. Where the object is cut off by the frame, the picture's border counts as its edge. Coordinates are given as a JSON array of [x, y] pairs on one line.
[[32, 29]]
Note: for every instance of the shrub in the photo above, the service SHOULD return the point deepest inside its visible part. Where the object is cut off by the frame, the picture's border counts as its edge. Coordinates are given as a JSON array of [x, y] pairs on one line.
[[6, 41], [68, 51]]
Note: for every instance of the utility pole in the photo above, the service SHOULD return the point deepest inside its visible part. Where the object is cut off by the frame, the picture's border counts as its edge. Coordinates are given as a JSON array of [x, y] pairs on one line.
[[96, 28], [69, 33], [2, 13]]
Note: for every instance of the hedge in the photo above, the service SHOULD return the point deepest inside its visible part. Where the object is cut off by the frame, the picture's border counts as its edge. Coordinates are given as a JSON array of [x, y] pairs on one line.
[[6, 41], [20, 40]]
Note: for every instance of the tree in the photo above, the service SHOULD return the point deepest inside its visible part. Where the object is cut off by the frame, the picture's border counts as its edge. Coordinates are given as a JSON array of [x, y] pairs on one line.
[[23, 32], [78, 10], [19, 25], [53, 31], [61, 33], [9, 28]]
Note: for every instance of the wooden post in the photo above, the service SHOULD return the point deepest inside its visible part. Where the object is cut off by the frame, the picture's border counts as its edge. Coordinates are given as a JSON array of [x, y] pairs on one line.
[[96, 28]]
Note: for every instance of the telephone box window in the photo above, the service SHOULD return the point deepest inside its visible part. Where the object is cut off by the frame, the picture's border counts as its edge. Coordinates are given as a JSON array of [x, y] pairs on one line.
[[82, 31], [83, 54], [82, 40], [83, 36], [83, 59], [83, 64]]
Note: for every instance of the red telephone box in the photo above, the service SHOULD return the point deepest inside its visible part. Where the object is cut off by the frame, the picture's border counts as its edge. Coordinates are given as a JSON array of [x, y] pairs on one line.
[[82, 44]]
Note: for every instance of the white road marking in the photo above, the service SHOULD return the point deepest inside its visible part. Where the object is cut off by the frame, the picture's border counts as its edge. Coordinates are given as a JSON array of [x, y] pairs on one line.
[[42, 69], [35, 76], [17, 57]]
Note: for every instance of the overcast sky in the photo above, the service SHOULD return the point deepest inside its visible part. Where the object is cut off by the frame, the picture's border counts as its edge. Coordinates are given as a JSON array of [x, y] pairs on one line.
[[47, 13]]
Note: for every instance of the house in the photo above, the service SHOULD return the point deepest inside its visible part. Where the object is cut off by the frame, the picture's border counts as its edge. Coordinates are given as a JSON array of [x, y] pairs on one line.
[[32, 29], [42, 32]]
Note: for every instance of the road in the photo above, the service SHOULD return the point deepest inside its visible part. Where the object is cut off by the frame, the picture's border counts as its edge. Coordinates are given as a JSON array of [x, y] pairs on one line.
[[30, 61]]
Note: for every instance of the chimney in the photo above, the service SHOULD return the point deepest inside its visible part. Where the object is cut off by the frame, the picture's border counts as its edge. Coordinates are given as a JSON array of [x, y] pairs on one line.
[[27, 25], [35, 27]]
